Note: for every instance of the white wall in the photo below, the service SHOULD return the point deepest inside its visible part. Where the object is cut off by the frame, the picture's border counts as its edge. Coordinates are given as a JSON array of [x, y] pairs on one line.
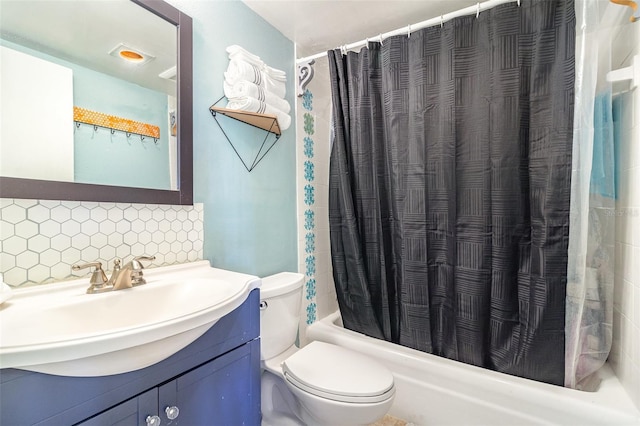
[[31, 86], [625, 352]]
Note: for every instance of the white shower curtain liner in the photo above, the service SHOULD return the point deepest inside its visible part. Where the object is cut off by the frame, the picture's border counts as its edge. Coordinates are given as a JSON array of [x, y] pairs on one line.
[[589, 302]]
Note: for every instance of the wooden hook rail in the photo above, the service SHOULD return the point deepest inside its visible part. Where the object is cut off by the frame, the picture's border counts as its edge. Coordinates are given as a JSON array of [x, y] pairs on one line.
[[98, 119]]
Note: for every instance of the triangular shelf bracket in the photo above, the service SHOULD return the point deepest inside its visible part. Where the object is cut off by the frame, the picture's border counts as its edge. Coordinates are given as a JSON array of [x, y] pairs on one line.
[[266, 122]]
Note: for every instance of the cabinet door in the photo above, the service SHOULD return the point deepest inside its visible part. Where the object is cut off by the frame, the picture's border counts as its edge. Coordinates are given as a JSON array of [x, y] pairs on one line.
[[132, 412], [225, 391]]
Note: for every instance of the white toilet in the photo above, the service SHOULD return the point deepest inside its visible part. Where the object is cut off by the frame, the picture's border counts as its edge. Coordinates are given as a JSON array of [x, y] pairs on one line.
[[320, 384]]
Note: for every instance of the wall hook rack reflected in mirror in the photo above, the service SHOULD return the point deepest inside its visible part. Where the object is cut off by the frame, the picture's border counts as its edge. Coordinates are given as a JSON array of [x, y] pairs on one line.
[[114, 123], [113, 131]]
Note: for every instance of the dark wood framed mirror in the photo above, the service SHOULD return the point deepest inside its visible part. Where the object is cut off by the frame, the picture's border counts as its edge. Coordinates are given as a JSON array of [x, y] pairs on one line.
[[54, 190]]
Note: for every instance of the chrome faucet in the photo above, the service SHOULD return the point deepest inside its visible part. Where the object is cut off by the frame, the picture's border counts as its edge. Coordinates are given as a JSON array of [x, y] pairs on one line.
[[127, 276]]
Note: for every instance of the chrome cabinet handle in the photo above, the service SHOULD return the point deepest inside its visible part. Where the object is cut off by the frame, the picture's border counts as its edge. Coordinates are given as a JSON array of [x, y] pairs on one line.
[[172, 412], [153, 421]]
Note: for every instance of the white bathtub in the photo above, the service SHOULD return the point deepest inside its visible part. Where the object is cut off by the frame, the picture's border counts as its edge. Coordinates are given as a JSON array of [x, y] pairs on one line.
[[436, 391]]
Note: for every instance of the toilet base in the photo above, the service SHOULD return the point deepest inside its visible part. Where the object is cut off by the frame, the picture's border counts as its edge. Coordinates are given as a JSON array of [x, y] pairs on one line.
[[279, 406]]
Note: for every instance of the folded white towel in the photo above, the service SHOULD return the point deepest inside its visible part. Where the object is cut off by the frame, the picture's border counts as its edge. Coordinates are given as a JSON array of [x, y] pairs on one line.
[[276, 74], [247, 103], [238, 53], [241, 70], [247, 88], [235, 50]]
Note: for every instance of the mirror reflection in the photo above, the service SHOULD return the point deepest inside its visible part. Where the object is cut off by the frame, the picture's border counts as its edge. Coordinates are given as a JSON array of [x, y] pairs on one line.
[[88, 93]]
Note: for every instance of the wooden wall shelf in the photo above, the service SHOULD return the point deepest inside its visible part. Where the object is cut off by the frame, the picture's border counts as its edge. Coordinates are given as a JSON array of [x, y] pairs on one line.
[[266, 122]]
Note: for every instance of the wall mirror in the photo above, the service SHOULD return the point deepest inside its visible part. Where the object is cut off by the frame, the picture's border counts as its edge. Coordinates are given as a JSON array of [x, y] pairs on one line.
[[98, 101]]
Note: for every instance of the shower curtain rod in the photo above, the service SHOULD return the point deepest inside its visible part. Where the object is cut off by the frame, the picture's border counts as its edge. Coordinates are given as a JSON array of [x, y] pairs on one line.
[[439, 20]]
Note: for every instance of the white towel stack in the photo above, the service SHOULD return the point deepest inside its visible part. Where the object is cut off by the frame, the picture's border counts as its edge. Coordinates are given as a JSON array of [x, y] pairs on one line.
[[251, 85]]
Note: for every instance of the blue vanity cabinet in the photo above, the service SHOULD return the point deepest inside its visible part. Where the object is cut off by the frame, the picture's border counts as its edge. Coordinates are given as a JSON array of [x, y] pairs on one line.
[[209, 395], [134, 411], [229, 404], [213, 381]]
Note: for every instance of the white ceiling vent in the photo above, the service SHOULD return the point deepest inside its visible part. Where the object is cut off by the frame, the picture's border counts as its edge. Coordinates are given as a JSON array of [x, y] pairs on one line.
[[170, 74]]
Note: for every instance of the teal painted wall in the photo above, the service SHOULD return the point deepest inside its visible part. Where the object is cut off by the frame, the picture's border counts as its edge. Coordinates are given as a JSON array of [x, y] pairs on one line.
[[250, 218], [101, 157], [107, 159]]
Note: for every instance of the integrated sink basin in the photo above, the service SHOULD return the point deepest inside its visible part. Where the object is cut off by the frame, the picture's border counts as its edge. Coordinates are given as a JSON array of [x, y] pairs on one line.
[[59, 329]]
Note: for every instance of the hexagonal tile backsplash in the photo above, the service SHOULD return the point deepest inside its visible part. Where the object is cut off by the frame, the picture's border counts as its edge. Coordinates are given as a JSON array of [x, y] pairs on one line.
[[40, 240]]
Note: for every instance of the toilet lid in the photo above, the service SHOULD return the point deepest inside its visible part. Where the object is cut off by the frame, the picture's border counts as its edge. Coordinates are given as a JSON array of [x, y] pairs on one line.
[[333, 372]]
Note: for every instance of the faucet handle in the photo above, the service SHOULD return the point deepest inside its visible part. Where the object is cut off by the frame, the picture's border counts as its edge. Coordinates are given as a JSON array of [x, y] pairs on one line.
[[98, 279], [136, 269], [137, 265]]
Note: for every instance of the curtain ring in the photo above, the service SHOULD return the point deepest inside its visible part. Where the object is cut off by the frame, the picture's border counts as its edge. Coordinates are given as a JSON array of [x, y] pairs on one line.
[[518, 3], [441, 21], [409, 31], [478, 11], [381, 44]]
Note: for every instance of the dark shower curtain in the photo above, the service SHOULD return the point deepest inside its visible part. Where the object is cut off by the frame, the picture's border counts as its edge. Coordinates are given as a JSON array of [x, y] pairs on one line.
[[450, 183]]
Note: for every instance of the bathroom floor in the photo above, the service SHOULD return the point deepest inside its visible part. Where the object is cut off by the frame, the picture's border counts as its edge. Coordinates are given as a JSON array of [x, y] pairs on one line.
[[389, 421]]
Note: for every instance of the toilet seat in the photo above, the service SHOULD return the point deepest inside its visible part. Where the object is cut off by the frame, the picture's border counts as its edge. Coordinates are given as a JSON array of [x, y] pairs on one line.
[[329, 371]]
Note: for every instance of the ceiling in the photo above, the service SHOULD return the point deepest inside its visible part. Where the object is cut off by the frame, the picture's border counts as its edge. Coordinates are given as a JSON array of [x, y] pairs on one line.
[[319, 25], [82, 32]]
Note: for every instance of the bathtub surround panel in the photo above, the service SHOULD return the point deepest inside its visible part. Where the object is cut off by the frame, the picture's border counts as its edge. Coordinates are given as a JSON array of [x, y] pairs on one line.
[[250, 217], [314, 106], [40, 239], [309, 200], [449, 187]]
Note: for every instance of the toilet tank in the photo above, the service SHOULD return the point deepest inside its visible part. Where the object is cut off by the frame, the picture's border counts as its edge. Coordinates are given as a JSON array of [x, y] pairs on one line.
[[280, 300]]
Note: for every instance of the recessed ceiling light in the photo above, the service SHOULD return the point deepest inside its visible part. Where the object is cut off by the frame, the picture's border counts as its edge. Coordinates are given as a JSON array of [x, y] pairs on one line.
[[130, 54]]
